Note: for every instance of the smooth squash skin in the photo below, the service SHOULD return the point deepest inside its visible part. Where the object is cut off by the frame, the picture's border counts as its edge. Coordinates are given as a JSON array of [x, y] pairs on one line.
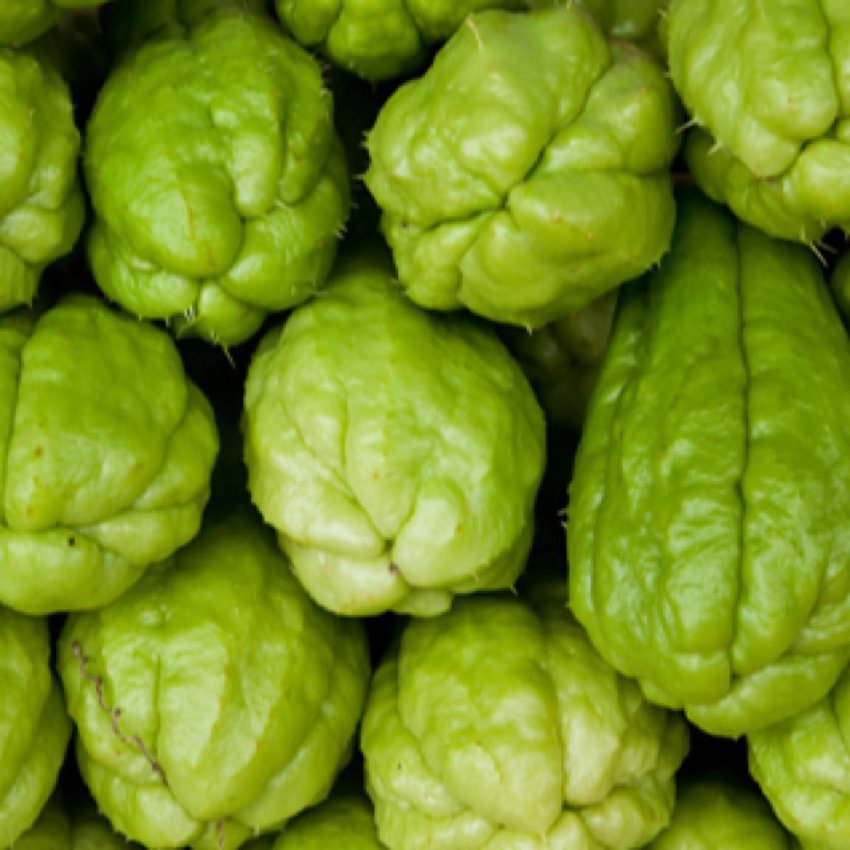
[[106, 453], [768, 89], [220, 200], [497, 726], [236, 696], [396, 452], [709, 554], [527, 172], [34, 726]]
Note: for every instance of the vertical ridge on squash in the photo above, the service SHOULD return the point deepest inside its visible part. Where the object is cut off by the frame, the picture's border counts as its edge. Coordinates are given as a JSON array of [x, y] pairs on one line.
[[707, 553]]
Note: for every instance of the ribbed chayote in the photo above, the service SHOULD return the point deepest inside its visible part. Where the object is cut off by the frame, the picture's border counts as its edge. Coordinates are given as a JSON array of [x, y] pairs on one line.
[[218, 182], [22, 21], [397, 452], [34, 727], [106, 451], [528, 171], [716, 812], [41, 203], [340, 822], [709, 555], [213, 700], [497, 726], [768, 88]]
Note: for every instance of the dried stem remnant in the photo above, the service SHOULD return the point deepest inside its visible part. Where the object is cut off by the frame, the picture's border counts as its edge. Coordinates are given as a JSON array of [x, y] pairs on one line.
[[115, 714]]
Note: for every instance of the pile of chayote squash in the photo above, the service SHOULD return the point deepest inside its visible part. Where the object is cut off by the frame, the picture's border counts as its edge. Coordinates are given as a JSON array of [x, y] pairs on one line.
[[424, 424]]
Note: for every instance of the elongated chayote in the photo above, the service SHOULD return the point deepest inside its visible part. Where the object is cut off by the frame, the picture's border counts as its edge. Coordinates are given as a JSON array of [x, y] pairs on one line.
[[709, 554]]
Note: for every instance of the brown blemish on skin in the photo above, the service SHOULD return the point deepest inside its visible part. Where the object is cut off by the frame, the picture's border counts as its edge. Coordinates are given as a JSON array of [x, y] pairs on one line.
[[115, 714]]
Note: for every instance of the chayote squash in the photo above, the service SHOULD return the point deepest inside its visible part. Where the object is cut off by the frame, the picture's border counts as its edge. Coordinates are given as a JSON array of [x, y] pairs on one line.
[[497, 726], [803, 767], [41, 202], [219, 199], [341, 822], [213, 700], [708, 544], [34, 727], [715, 812], [22, 21], [528, 171], [563, 359], [65, 827], [630, 20], [768, 86], [397, 452], [106, 451], [379, 39], [130, 23]]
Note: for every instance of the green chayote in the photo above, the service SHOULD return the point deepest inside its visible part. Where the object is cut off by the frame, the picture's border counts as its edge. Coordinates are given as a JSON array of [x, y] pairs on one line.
[[632, 20], [527, 172], [563, 359], [34, 728], [383, 39], [768, 86], [60, 827], [708, 544], [22, 21], [496, 726], [41, 203], [379, 39], [339, 823], [803, 767], [213, 700], [129, 23], [713, 812], [105, 455], [396, 452], [218, 199]]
